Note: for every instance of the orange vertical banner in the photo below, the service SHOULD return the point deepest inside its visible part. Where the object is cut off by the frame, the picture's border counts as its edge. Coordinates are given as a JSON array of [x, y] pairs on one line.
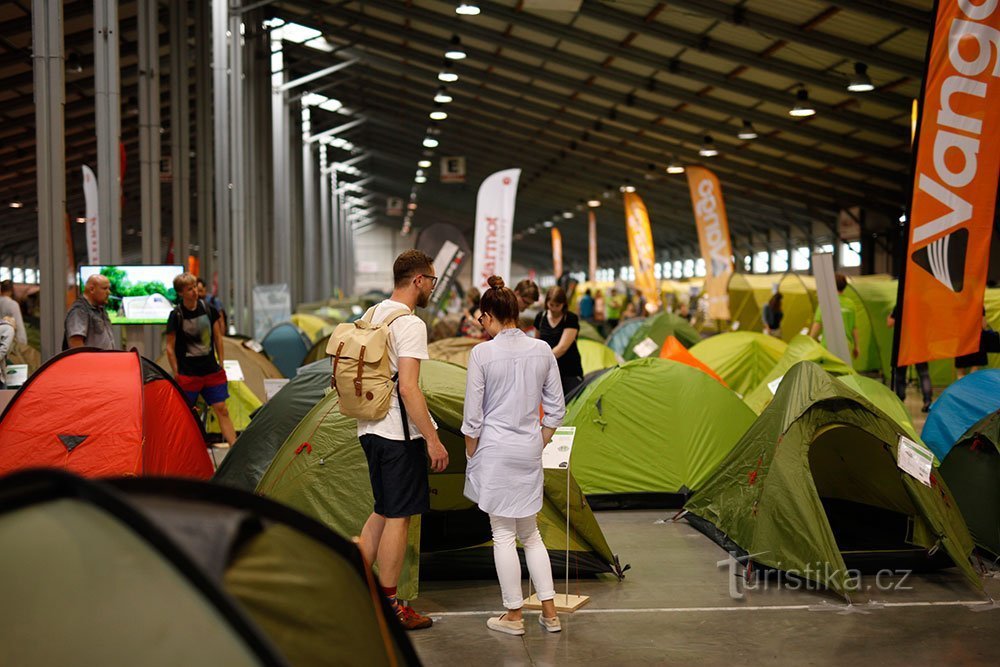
[[640, 248], [591, 246], [557, 263], [954, 185], [713, 237]]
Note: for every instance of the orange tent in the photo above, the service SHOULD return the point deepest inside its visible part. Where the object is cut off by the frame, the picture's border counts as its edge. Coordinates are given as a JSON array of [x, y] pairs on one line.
[[673, 349], [102, 414]]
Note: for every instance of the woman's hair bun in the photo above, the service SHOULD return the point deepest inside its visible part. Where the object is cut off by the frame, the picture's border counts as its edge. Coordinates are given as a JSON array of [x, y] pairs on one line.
[[496, 282]]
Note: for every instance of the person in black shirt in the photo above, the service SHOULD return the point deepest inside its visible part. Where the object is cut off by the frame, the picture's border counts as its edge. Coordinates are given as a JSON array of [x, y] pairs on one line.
[[195, 351], [559, 328], [923, 370]]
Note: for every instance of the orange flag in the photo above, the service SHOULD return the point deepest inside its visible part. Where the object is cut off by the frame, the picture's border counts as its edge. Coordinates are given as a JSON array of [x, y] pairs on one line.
[[640, 248], [713, 237], [557, 264]]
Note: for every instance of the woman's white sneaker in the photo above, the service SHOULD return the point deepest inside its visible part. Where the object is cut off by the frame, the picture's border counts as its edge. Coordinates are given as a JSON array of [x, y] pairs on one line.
[[550, 624], [501, 624]]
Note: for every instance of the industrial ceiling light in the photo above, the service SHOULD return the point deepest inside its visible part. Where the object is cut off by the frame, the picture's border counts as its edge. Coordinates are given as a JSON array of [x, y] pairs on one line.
[[747, 132], [430, 142], [547, 224], [567, 214], [455, 51], [17, 203], [531, 230], [438, 113], [467, 8], [593, 203], [81, 220], [420, 179], [860, 82], [424, 164], [627, 188], [73, 62], [446, 74], [675, 167], [442, 96], [803, 108], [708, 148]]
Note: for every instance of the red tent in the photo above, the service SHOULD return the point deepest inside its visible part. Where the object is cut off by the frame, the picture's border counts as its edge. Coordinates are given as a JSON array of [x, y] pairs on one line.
[[673, 349], [102, 414]]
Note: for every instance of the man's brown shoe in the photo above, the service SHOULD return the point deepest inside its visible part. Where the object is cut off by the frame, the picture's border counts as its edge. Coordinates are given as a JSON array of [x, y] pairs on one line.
[[411, 620]]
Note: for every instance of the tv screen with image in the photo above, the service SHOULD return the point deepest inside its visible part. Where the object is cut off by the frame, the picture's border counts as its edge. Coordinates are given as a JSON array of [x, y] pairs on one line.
[[139, 294]]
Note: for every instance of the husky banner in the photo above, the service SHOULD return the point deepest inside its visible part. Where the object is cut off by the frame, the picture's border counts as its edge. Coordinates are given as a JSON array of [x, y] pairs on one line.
[[447, 263], [954, 185], [494, 220], [640, 248], [713, 237], [557, 264], [591, 246]]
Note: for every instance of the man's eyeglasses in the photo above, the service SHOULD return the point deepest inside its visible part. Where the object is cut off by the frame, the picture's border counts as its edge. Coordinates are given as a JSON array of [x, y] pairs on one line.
[[433, 279]]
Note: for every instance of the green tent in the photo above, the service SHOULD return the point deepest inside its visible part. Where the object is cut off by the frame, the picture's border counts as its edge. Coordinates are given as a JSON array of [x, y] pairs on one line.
[[321, 471], [972, 471], [742, 358], [884, 399], [589, 332], [658, 327], [650, 431], [455, 350], [246, 462], [813, 488], [595, 355], [747, 295], [620, 336], [318, 351], [800, 348]]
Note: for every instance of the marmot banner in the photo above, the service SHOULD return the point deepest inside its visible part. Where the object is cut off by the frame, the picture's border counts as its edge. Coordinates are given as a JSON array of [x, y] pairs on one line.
[[557, 265], [713, 237], [954, 185], [494, 220], [640, 248]]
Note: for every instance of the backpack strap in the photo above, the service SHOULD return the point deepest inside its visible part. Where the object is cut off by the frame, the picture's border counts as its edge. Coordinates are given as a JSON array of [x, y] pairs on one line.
[[395, 316]]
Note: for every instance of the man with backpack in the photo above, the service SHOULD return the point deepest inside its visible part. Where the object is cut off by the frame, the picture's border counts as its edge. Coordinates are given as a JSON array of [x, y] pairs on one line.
[[195, 352], [396, 430]]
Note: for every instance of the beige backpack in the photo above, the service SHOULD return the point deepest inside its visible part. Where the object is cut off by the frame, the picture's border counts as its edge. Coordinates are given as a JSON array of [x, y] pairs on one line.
[[361, 373]]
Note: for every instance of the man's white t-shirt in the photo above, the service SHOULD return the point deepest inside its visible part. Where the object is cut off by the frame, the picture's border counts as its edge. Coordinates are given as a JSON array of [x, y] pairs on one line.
[[407, 338]]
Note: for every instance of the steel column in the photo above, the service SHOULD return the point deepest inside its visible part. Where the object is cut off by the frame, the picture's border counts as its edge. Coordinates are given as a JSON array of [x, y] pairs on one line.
[[180, 131], [310, 214], [223, 181], [204, 136], [325, 204], [237, 242], [107, 108]]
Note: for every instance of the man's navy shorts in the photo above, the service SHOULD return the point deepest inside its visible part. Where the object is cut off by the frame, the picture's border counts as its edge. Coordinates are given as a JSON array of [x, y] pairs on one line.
[[398, 473]]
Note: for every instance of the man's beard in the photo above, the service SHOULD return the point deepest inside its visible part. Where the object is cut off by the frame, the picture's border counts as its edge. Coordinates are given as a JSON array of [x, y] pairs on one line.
[[423, 300]]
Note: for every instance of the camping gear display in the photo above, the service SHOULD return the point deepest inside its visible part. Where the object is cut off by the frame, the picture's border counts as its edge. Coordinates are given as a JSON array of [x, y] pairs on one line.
[[595, 356], [287, 346], [454, 350], [814, 488], [651, 431], [102, 414], [800, 348], [181, 573], [959, 407], [619, 338], [674, 350], [247, 460], [971, 468], [657, 328], [742, 358], [321, 470]]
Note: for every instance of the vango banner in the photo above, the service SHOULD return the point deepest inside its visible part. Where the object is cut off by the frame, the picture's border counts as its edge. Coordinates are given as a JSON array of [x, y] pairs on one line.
[[557, 263], [640, 247], [713, 237], [954, 185], [494, 221]]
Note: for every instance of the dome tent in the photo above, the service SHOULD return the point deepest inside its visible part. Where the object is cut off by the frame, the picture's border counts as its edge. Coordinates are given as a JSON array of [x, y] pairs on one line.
[[619, 338], [674, 350], [742, 358], [652, 430], [138, 423], [971, 468], [813, 487], [455, 350], [287, 346], [800, 348], [595, 356], [321, 470], [657, 328], [959, 407]]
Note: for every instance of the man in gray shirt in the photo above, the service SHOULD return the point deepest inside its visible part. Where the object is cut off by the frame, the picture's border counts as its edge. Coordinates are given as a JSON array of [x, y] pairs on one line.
[[11, 308], [87, 322]]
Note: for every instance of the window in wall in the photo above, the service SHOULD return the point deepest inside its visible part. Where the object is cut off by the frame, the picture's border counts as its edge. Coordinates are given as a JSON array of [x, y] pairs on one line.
[[678, 269], [657, 270], [699, 267], [800, 259], [30, 276], [17, 275], [666, 269], [631, 273], [747, 263], [4, 273], [779, 261], [760, 262], [689, 268], [850, 254], [826, 247]]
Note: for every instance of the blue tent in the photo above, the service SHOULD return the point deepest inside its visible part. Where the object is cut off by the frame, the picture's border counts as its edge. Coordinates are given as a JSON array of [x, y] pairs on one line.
[[960, 406], [287, 346], [619, 338]]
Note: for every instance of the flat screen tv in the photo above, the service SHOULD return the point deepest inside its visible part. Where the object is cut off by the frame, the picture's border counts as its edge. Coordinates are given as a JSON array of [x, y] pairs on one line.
[[139, 294]]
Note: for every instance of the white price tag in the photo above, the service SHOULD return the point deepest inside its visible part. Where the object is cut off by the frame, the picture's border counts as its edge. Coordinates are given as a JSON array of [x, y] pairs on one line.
[[556, 453], [773, 384], [234, 372], [17, 374], [915, 460], [645, 348], [272, 386]]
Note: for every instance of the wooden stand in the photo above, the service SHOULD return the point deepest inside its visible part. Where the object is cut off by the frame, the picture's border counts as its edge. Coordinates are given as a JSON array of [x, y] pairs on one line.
[[563, 601]]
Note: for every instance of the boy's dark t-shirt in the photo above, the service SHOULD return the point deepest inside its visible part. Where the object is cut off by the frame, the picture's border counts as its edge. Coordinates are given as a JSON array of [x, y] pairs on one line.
[[194, 344], [569, 364]]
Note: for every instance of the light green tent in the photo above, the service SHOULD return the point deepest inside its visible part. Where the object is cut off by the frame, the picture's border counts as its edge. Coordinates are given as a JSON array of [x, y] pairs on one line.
[[454, 350], [972, 470], [742, 358], [321, 471], [652, 430], [813, 487], [657, 328], [884, 399], [595, 356], [800, 348], [748, 293], [589, 332]]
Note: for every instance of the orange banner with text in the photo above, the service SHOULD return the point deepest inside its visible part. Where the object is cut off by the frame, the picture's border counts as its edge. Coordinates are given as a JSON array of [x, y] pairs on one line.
[[713, 237], [591, 246], [557, 264], [640, 248], [954, 185]]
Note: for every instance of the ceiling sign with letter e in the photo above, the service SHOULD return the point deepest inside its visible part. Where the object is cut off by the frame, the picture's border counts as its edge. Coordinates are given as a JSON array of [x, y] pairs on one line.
[[453, 169], [394, 206]]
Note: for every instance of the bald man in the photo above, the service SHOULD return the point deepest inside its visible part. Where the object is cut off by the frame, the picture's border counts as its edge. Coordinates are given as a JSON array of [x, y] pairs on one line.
[[87, 322]]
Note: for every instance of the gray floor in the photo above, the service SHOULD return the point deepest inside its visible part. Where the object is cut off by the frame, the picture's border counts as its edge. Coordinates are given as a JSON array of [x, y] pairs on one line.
[[674, 607]]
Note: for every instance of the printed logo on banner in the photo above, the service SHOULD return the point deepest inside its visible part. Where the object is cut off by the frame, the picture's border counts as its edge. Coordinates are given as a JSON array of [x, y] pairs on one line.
[[453, 169], [394, 206]]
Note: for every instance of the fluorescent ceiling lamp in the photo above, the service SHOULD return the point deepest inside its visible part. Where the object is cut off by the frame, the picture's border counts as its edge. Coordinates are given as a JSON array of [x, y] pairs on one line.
[[531, 230], [593, 203], [860, 82], [17, 204], [467, 9], [81, 220], [803, 108], [442, 96], [430, 142], [438, 114], [455, 51], [675, 167], [627, 188], [747, 132], [420, 179], [547, 224], [424, 164], [567, 214], [708, 148], [447, 75]]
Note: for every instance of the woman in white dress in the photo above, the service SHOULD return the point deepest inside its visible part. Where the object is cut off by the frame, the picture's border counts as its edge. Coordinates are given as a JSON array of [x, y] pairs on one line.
[[509, 377]]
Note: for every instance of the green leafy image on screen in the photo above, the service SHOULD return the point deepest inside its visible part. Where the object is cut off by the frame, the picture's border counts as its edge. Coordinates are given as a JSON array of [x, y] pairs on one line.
[[139, 294]]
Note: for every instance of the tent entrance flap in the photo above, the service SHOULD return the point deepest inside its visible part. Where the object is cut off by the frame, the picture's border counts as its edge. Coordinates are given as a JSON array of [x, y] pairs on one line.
[[870, 513]]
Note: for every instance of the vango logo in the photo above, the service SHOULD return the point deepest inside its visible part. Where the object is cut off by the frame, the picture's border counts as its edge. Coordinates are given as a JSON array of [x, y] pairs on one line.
[[955, 176]]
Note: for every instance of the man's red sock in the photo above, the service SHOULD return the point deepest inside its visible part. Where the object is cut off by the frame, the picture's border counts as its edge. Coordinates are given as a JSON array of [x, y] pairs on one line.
[[390, 594]]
